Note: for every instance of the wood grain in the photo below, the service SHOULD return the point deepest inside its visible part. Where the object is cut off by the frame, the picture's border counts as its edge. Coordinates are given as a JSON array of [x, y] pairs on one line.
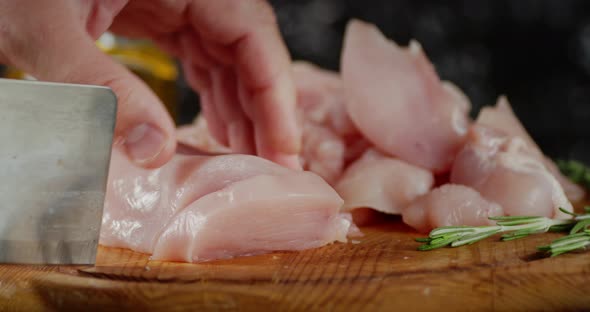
[[383, 271]]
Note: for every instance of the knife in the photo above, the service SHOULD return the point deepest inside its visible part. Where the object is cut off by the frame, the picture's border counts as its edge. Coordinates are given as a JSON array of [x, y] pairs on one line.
[[55, 148]]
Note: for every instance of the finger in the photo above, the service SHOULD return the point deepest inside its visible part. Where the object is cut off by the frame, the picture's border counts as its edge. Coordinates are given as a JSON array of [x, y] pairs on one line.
[[149, 19], [287, 159], [170, 43], [193, 50], [143, 127], [262, 63], [196, 76], [239, 130], [200, 79], [100, 14], [290, 160], [275, 120], [214, 122], [241, 137], [222, 54], [244, 97]]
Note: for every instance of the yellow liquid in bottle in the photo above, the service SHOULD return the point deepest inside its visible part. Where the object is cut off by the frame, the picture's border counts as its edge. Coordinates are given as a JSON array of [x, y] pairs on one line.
[[154, 67]]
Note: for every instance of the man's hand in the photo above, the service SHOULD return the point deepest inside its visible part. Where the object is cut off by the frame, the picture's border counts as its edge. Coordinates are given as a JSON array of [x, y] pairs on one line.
[[231, 51]]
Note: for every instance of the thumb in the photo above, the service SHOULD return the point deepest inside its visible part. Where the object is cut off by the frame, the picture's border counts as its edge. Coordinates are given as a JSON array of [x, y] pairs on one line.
[[144, 129]]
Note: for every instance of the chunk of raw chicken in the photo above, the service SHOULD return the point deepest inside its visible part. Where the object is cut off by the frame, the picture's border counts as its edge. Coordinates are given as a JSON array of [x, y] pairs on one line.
[[382, 183], [330, 139], [323, 152], [505, 170], [198, 208], [502, 118], [397, 101], [197, 135], [450, 205], [320, 97]]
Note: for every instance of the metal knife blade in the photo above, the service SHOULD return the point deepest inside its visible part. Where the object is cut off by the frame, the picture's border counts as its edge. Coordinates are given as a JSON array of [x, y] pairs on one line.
[[55, 147]]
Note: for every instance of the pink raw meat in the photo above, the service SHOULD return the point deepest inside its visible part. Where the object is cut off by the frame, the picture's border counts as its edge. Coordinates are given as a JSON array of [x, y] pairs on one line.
[[199, 208], [450, 205], [330, 139], [382, 183], [502, 118], [197, 135], [505, 170], [323, 152], [320, 96], [398, 102]]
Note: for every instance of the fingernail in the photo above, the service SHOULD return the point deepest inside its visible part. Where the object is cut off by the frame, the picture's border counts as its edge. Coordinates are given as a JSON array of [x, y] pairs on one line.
[[289, 161], [144, 143]]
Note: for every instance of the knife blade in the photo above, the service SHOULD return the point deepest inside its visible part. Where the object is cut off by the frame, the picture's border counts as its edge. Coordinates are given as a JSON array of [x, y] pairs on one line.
[[55, 147]]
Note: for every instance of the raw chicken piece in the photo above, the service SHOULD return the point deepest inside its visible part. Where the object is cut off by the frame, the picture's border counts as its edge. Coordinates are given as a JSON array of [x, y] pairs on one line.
[[450, 205], [505, 170], [330, 140], [323, 152], [200, 208], [501, 117], [320, 97], [382, 183], [197, 135], [397, 101]]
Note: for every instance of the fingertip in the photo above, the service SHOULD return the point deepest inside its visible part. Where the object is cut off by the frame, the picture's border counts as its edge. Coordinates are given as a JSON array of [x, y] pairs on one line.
[[148, 146], [215, 123], [264, 150], [241, 138], [288, 160], [274, 114], [160, 159], [294, 142]]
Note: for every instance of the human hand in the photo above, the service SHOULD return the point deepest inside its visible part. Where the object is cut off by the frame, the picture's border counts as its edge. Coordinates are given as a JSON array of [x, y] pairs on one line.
[[231, 51]]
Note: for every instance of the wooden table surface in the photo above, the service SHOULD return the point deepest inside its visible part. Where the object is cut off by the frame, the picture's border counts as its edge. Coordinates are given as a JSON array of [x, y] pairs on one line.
[[381, 271]]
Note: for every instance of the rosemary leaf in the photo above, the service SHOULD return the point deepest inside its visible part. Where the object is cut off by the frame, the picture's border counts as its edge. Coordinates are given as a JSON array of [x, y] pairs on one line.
[[473, 238], [561, 227], [580, 226], [513, 218], [569, 248], [515, 227], [445, 230]]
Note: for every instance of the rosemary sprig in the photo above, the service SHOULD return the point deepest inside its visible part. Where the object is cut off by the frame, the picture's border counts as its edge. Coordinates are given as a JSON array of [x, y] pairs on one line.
[[515, 227], [578, 238], [575, 171], [567, 243]]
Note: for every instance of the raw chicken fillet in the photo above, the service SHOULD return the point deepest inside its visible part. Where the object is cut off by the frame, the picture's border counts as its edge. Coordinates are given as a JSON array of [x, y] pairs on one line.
[[502, 118], [505, 170], [199, 208], [450, 205], [382, 183], [397, 101]]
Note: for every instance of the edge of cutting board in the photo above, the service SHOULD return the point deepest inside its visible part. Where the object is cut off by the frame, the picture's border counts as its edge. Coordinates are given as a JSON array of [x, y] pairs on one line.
[[380, 271]]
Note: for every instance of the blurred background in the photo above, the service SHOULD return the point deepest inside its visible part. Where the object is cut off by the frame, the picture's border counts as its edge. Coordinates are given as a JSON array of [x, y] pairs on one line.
[[537, 52]]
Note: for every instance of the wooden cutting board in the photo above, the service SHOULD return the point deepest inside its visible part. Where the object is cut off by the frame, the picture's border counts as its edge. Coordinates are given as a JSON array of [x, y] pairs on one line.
[[381, 271]]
